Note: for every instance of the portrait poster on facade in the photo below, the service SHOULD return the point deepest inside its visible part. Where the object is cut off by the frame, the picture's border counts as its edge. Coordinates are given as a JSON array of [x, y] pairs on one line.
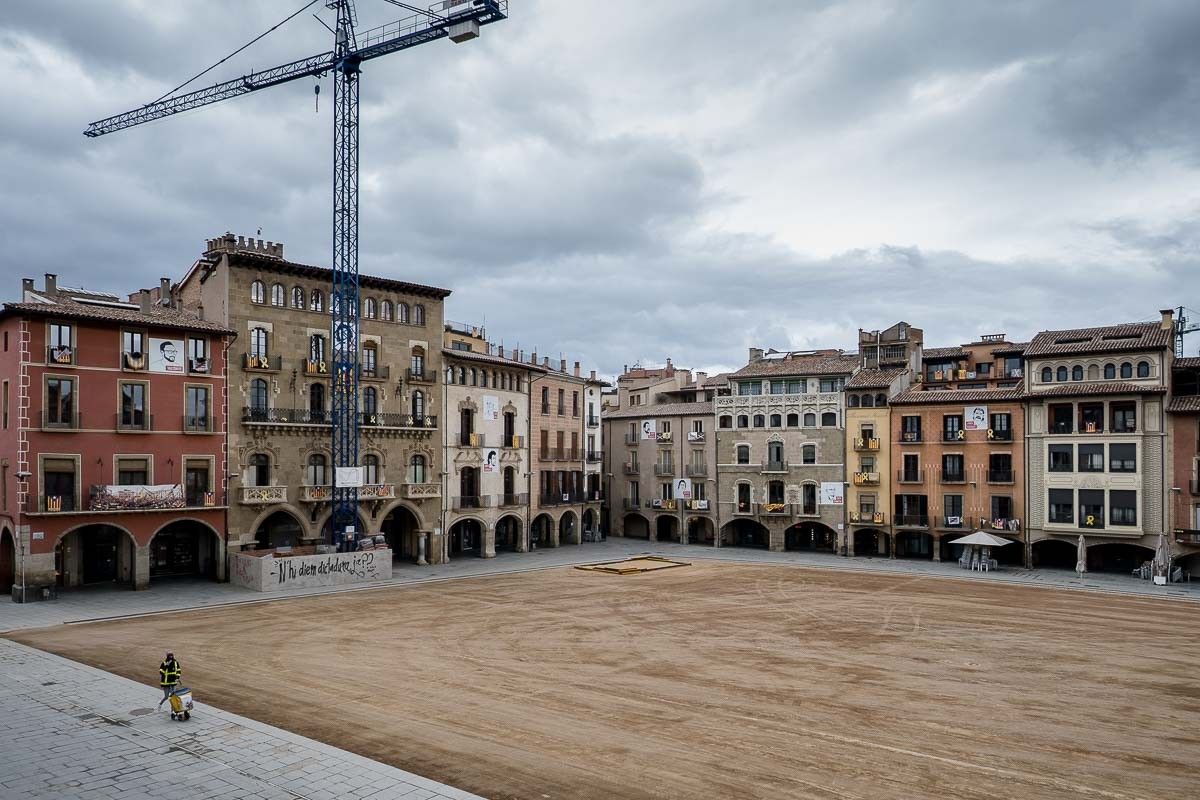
[[491, 408], [166, 355], [649, 430], [831, 493], [975, 418], [490, 457], [683, 489]]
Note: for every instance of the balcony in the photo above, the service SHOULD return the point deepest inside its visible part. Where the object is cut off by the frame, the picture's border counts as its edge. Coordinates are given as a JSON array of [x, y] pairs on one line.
[[631, 469], [593, 496], [593, 421], [573, 454], [375, 373], [261, 363], [393, 420], [954, 477], [954, 521], [866, 479], [511, 442], [420, 491], [1187, 536], [775, 465], [197, 424], [135, 498], [696, 505], [631, 439], [134, 423], [744, 507], [51, 504], [595, 456], [664, 470], [664, 437], [1000, 524], [468, 439], [910, 437], [868, 517], [1004, 435], [631, 504], [697, 470], [284, 416], [661, 505], [377, 491], [560, 498], [198, 366], [60, 421], [909, 476], [912, 520], [471, 501], [313, 368], [775, 509], [1000, 476], [511, 500], [420, 375], [316, 494], [696, 437], [954, 436], [60, 356], [263, 495], [869, 443]]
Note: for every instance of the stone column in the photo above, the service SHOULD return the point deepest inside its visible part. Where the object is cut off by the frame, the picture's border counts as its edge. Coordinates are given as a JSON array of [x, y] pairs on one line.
[[937, 546], [775, 540], [489, 542], [141, 567], [422, 538]]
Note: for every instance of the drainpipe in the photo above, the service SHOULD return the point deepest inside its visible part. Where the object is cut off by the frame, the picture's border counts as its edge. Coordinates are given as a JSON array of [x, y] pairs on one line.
[[225, 471]]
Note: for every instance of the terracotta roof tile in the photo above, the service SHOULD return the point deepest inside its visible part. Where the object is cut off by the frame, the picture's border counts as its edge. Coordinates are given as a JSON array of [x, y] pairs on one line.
[[874, 378], [931, 353], [1184, 405], [1110, 387], [1188, 363], [917, 396], [799, 365], [469, 355], [157, 317], [716, 381], [1109, 339], [661, 410], [1011, 349]]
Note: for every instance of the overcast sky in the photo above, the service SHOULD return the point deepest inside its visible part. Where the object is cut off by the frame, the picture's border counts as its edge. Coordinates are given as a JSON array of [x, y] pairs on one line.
[[621, 181]]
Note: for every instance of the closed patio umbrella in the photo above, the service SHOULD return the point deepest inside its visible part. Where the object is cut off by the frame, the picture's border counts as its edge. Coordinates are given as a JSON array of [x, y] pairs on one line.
[[1161, 566], [1081, 556]]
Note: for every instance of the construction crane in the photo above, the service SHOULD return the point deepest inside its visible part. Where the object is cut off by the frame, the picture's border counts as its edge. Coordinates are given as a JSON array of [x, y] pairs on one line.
[[457, 20], [1182, 328]]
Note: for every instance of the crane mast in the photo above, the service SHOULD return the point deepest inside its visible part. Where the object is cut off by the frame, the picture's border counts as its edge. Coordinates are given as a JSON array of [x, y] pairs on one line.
[[457, 20]]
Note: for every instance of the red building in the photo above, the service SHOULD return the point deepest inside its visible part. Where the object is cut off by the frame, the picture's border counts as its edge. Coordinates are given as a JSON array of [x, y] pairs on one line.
[[1183, 420], [112, 441]]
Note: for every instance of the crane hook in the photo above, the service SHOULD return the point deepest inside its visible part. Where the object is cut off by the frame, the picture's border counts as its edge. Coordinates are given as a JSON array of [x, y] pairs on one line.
[[317, 97]]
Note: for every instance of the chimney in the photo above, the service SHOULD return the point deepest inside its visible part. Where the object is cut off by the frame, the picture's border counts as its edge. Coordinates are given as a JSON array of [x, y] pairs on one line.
[[701, 377], [51, 284], [756, 354], [625, 369], [200, 310], [546, 362], [26, 286], [145, 301], [1168, 317], [669, 365], [562, 365], [500, 350], [593, 375], [533, 358], [164, 291], [576, 369]]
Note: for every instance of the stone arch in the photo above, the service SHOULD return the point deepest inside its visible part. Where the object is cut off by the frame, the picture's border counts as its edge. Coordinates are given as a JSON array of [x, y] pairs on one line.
[[744, 532], [187, 546], [510, 533], [590, 523], [635, 526], [568, 528], [326, 518], [871, 542], [699, 530], [8, 560], [542, 531], [1055, 553], [810, 535], [467, 537], [1118, 557], [401, 525], [666, 528], [915, 544], [408, 506], [269, 511], [96, 552]]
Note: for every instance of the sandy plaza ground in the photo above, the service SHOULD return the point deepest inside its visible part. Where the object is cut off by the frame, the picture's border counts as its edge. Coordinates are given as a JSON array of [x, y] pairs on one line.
[[713, 680]]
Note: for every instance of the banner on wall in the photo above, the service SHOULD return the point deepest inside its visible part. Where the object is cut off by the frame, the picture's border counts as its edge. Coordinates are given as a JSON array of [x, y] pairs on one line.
[[975, 418], [166, 355], [650, 430], [683, 489], [490, 457], [831, 493], [491, 408]]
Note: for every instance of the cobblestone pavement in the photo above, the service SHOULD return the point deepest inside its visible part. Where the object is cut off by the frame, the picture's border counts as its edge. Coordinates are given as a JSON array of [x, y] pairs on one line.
[[72, 731], [100, 603]]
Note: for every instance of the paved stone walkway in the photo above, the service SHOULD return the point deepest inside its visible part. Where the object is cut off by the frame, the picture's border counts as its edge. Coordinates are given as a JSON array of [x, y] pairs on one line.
[[72, 731]]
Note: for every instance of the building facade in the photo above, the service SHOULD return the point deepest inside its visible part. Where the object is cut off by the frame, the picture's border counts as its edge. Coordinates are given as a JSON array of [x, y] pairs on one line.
[[279, 443], [1183, 421], [112, 439], [1096, 442], [781, 458]]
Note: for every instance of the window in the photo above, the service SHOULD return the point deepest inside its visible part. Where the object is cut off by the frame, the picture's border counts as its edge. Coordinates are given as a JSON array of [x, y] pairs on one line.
[[1124, 417], [1126, 370], [418, 316], [910, 428], [793, 420], [1001, 425], [952, 427], [133, 406], [743, 454], [776, 420], [1061, 418], [1091, 508], [1110, 371], [298, 297], [61, 347], [1091, 417], [416, 362], [797, 387], [952, 504], [749, 387], [260, 470], [760, 421], [952, 467], [1002, 507], [1062, 506], [314, 475], [809, 498], [911, 471], [316, 402], [369, 360], [983, 368], [852, 401], [277, 294], [1000, 467], [810, 420], [416, 469], [778, 387], [418, 406], [385, 310], [133, 472], [574, 402], [370, 465], [808, 454], [258, 292], [775, 492], [133, 346], [880, 400], [1122, 507], [370, 401], [1093, 372], [829, 419], [196, 409], [196, 481], [1122, 458], [316, 301], [1077, 373], [402, 313], [867, 401], [1047, 375], [1091, 458], [1143, 369], [1062, 458], [725, 421], [1061, 374], [562, 402], [197, 354], [6, 404], [258, 343], [60, 401], [743, 421], [370, 308], [58, 483]]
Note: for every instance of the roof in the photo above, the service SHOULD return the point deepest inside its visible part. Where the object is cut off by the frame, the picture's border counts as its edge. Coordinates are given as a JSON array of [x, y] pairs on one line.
[[1188, 363], [916, 396], [834, 364], [278, 265], [934, 353], [123, 314], [662, 410], [1011, 349], [484, 358], [1184, 405], [1108, 387], [874, 378], [1110, 339], [716, 381]]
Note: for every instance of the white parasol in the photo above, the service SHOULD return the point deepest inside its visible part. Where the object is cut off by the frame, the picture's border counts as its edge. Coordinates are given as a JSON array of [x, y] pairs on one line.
[[981, 538], [1081, 556]]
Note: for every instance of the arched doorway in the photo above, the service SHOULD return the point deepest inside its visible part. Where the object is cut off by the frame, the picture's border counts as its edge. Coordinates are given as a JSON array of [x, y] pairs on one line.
[[280, 529], [568, 529], [745, 533], [360, 530], [636, 527], [466, 538], [508, 534], [1119, 557], [8, 562], [914, 544], [1189, 563], [95, 555], [1055, 554], [541, 532], [666, 528], [184, 548], [591, 531], [700, 530], [870, 542], [402, 531], [810, 536]]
